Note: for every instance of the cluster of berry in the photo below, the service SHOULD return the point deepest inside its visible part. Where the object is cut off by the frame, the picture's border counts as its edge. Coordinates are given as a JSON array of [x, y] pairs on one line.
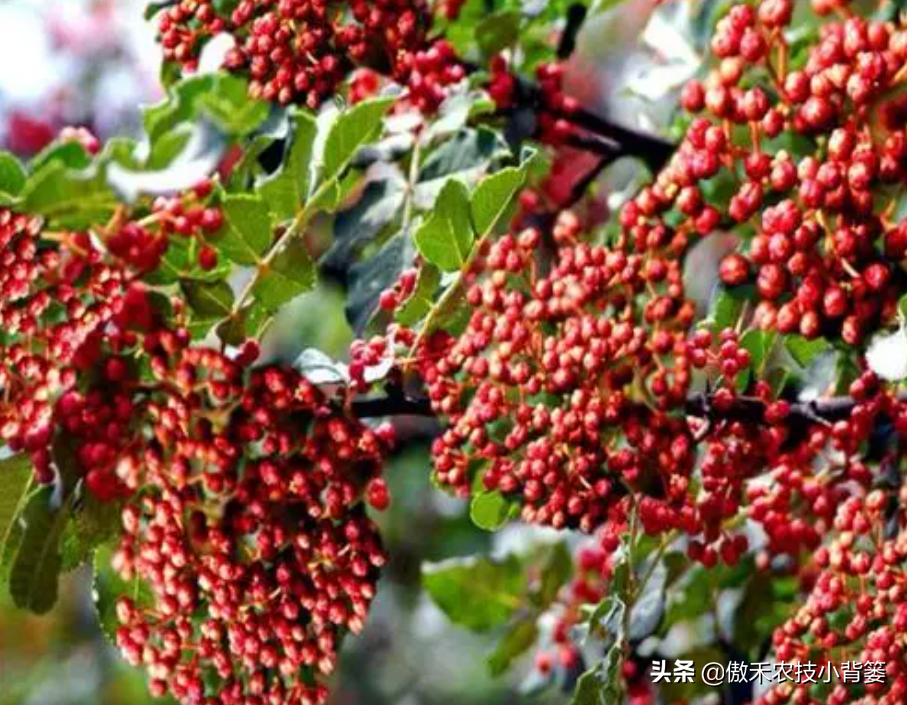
[[540, 378], [245, 488], [141, 245], [553, 105], [300, 51], [249, 532], [818, 219], [67, 315], [856, 610], [571, 386]]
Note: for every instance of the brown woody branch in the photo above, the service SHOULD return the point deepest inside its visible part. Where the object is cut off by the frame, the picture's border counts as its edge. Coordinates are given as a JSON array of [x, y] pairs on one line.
[[702, 406], [393, 405], [752, 409], [604, 137], [654, 151]]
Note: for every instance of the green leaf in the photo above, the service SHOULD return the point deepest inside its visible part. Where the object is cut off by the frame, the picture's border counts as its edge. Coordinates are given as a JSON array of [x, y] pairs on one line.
[[93, 523], [446, 238], [181, 262], [649, 607], [492, 198], [250, 322], [602, 684], [120, 150], [607, 620], [170, 74], [287, 191], [805, 351], [65, 453], [588, 689], [291, 274], [213, 300], [320, 369], [372, 276], [352, 129], [248, 168], [516, 642], [221, 98], [35, 571], [451, 313], [69, 153], [759, 343], [354, 228], [108, 587], [469, 153], [179, 106], [230, 107], [728, 306], [457, 110], [461, 31], [332, 194], [326, 198], [166, 149], [247, 230], [16, 477], [12, 175], [556, 571], [489, 510], [422, 299], [498, 31], [153, 8], [69, 198], [476, 593]]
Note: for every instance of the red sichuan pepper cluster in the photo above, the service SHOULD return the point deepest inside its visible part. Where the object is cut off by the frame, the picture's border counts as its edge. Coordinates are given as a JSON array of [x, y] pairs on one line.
[[299, 51], [856, 610], [304, 51], [573, 385], [249, 531], [244, 488], [825, 246]]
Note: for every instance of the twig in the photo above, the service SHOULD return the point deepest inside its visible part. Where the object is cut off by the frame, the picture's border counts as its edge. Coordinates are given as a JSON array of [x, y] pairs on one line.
[[391, 406], [576, 16], [700, 406], [654, 151], [752, 409]]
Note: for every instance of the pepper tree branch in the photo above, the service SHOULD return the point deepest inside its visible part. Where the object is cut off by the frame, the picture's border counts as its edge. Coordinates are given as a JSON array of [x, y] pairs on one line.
[[392, 405], [701, 406], [753, 409], [654, 151], [602, 135]]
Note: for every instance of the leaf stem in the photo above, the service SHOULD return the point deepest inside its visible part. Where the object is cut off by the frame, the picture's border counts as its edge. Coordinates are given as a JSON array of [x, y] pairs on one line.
[[411, 184], [453, 291], [295, 228]]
